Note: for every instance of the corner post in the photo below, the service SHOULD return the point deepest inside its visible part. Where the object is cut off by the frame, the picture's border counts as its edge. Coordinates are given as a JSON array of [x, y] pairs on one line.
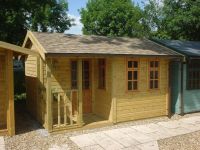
[[80, 93], [114, 101], [49, 122], [10, 85]]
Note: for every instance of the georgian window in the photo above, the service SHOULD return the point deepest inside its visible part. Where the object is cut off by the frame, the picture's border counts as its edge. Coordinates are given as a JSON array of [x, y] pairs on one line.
[[102, 73], [154, 74], [194, 74], [74, 73], [132, 74]]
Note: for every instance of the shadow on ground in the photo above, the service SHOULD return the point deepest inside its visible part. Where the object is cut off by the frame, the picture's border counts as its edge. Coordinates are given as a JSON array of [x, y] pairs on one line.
[[24, 122]]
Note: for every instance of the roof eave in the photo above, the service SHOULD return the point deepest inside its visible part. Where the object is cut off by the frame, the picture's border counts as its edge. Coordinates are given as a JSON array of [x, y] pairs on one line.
[[106, 55]]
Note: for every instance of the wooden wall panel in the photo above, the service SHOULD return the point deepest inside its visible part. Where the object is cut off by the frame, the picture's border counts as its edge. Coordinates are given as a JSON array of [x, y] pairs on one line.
[[144, 103], [3, 92], [31, 66], [102, 100], [35, 71]]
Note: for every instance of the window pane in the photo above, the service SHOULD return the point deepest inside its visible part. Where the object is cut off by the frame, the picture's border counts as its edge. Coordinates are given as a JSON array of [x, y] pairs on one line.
[[151, 74], [74, 75], [86, 85], [86, 65], [130, 75], [135, 64], [151, 84], [151, 64], [74, 85], [156, 84], [130, 85], [135, 75], [129, 64], [102, 72], [156, 64], [74, 65], [135, 85], [156, 74]]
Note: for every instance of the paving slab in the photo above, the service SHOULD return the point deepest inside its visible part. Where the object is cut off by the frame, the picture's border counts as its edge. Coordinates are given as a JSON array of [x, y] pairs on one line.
[[105, 141], [191, 120], [122, 138], [148, 128], [83, 140], [149, 146], [138, 137], [132, 148], [170, 124], [60, 147], [190, 127], [2, 143], [93, 147]]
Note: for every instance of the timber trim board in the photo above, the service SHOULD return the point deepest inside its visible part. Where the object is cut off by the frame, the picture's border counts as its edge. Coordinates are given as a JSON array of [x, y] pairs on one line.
[[18, 49], [34, 40], [3, 132], [49, 95], [11, 114]]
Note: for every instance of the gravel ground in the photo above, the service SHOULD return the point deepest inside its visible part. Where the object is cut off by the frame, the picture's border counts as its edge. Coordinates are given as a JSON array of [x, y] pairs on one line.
[[31, 136], [184, 142]]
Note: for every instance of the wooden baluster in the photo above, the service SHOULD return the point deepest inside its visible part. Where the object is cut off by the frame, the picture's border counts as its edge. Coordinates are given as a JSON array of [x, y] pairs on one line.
[[71, 113], [58, 109], [65, 109], [77, 104]]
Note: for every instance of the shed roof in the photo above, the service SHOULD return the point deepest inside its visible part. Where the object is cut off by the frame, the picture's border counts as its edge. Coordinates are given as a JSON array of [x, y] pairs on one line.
[[58, 43], [188, 48]]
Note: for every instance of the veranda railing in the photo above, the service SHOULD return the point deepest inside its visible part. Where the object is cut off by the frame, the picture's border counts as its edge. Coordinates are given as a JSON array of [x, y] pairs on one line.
[[65, 112]]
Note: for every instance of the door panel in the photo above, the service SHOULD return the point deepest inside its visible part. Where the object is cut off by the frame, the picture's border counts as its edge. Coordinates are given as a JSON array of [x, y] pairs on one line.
[[87, 94]]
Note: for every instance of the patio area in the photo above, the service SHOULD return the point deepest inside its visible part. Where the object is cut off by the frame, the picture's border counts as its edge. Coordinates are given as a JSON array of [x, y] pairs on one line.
[[179, 132]]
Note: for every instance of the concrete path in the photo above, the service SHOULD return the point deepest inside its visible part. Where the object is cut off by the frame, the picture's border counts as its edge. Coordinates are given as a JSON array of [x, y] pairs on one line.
[[139, 137], [2, 143]]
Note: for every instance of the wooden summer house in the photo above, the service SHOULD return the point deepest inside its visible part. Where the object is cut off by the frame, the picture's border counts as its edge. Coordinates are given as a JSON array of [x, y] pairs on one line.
[[7, 52], [81, 81], [185, 76]]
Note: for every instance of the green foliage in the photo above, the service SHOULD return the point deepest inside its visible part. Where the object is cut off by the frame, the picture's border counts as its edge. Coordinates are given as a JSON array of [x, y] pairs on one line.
[[112, 18], [17, 16], [182, 19], [20, 97], [152, 17], [174, 19]]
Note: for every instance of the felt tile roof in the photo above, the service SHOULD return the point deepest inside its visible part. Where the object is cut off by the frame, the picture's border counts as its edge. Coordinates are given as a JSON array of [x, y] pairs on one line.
[[188, 48], [58, 43]]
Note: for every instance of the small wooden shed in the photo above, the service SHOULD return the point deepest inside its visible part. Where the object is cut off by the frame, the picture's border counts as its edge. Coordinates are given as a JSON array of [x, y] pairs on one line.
[[81, 81], [185, 76], [7, 117]]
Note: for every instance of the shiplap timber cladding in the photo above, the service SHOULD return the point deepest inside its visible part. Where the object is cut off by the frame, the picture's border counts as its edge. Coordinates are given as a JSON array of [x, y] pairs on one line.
[[35, 72], [3, 102], [7, 118], [143, 103], [102, 97]]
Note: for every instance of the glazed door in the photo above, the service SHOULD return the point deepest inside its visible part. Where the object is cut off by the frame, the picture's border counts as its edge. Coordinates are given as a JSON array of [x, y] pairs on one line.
[[87, 93]]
